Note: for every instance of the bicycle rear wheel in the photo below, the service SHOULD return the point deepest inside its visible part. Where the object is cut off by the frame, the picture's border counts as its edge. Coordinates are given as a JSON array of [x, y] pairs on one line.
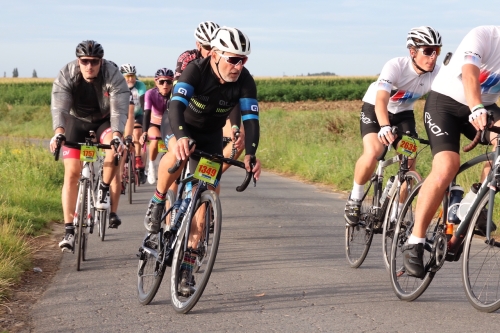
[[101, 223], [481, 262], [150, 270], [358, 239], [207, 249], [406, 287], [411, 179]]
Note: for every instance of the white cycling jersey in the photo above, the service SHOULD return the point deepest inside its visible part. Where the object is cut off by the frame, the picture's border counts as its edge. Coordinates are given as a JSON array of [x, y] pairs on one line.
[[480, 47], [399, 78]]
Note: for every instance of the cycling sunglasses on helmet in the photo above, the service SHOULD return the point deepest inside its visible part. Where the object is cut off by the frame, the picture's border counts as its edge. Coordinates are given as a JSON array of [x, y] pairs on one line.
[[431, 50], [93, 61], [235, 61]]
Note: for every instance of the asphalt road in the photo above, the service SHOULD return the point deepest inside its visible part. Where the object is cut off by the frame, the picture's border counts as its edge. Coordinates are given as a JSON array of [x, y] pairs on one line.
[[280, 267]]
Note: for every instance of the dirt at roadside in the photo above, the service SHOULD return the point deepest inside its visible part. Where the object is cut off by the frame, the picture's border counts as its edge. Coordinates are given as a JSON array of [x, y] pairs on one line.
[[312, 105], [15, 312]]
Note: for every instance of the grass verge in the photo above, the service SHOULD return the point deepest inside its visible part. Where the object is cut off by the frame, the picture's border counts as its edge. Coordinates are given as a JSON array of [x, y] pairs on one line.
[[29, 200]]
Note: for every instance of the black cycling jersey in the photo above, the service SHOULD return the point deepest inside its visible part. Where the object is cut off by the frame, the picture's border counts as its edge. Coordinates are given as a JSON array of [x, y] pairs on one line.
[[202, 102]]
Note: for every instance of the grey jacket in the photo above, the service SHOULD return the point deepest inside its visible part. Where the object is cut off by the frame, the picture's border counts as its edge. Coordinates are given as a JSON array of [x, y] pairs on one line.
[[112, 92]]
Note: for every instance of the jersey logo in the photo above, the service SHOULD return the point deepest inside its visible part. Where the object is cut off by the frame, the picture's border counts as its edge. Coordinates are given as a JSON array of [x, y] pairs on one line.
[[254, 108], [435, 129], [182, 91]]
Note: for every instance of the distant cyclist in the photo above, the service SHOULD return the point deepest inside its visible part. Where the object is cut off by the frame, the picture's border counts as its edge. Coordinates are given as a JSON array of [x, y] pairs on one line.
[[138, 89], [155, 106], [89, 93], [389, 102], [461, 95], [203, 97]]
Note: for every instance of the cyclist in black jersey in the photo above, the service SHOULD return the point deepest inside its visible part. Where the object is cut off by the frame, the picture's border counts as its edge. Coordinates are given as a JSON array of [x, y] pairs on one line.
[[203, 97], [88, 94]]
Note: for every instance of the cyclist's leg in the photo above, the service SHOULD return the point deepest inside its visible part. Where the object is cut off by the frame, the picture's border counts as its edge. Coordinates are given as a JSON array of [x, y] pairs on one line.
[[153, 131], [170, 142], [366, 163], [444, 120]]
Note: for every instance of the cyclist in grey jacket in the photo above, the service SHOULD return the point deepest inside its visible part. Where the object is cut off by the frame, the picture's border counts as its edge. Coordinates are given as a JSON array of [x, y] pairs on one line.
[[89, 93]]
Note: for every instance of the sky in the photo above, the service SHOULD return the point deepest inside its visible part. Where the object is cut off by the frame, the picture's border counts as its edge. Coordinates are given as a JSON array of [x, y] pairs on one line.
[[349, 38]]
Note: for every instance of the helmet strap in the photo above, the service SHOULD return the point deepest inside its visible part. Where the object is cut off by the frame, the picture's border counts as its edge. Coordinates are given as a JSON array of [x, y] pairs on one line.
[[218, 71]]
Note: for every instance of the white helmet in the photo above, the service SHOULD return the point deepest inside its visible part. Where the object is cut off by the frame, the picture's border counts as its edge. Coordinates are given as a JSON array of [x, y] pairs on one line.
[[127, 69], [423, 36], [204, 32], [231, 40]]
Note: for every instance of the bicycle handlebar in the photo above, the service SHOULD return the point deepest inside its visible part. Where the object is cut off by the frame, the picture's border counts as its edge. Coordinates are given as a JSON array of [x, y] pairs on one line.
[[480, 134], [77, 145], [221, 159], [395, 131]]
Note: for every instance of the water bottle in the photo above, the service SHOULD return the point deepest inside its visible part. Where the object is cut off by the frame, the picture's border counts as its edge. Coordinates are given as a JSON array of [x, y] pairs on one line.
[[182, 210], [456, 195], [386, 190], [467, 201]]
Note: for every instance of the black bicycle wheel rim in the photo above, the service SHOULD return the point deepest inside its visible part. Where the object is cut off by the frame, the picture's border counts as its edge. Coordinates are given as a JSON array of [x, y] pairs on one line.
[[150, 272], [358, 239], [103, 215], [180, 303], [408, 288], [480, 265], [411, 179], [130, 179], [81, 217]]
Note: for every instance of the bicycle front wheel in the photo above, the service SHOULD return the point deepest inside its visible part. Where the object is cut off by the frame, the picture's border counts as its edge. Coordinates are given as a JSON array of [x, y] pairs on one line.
[[207, 208], [406, 287], [358, 239], [82, 213], [481, 262], [411, 179], [130, 179]]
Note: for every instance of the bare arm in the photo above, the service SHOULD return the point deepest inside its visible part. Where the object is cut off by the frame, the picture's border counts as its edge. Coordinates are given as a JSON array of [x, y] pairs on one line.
[[472, 90]]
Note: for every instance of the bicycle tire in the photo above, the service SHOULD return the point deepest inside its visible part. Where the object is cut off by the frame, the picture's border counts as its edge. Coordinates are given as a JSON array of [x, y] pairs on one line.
[[103, 216], [182, 304], [130, 179], [480, 264], [358, 239], [149, 272], [411, 178], [81, 217], [409, 288]]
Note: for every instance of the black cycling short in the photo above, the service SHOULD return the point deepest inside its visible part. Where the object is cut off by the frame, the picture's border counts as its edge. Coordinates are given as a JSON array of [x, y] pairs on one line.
[[445, 119], [207, 142], [77, 130], [405, 122], [138, 120]]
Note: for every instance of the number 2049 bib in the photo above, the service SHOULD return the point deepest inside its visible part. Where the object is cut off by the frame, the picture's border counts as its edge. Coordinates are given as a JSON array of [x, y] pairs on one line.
[[88, 153], [207, 171], [408, 146]]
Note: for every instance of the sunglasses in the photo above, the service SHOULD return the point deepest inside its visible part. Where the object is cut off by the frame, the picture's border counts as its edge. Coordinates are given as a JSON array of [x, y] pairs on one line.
[[430, 51], [235, 61], [162, 82], [93, 62], [128, 76]]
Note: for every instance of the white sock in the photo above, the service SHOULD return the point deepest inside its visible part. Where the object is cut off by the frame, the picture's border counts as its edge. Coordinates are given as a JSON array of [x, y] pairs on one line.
[[393, 213], [416, 240], [357, 191]]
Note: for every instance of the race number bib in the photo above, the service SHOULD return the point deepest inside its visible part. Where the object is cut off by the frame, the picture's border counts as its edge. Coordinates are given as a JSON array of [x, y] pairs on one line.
[[88, 153], [408, 146], [162, 148], [207, 171]]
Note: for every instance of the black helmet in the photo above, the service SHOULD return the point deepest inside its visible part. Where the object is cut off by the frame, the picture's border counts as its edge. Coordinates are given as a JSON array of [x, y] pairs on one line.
[[89, 48]]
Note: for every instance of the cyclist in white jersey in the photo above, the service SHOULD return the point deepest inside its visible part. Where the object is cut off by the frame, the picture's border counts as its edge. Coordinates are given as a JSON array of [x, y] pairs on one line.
[[138, 90], [461, 94], [389, 102]]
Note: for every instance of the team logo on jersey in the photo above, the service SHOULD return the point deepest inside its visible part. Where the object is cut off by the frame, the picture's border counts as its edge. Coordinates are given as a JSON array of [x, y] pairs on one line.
[[490, 82], [402, 96], [182, 91], [435, 129], [254, 108], [223, 103]]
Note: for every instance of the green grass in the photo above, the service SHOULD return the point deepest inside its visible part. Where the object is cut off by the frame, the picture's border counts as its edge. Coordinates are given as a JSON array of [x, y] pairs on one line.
[[323, 146], [25, 121], [29, 200]]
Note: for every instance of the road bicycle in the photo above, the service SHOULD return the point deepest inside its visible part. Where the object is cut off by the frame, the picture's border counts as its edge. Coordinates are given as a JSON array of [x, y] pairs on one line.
[[377, 206], [85, 215], [130, 175], [473, 237], [168, 246]]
